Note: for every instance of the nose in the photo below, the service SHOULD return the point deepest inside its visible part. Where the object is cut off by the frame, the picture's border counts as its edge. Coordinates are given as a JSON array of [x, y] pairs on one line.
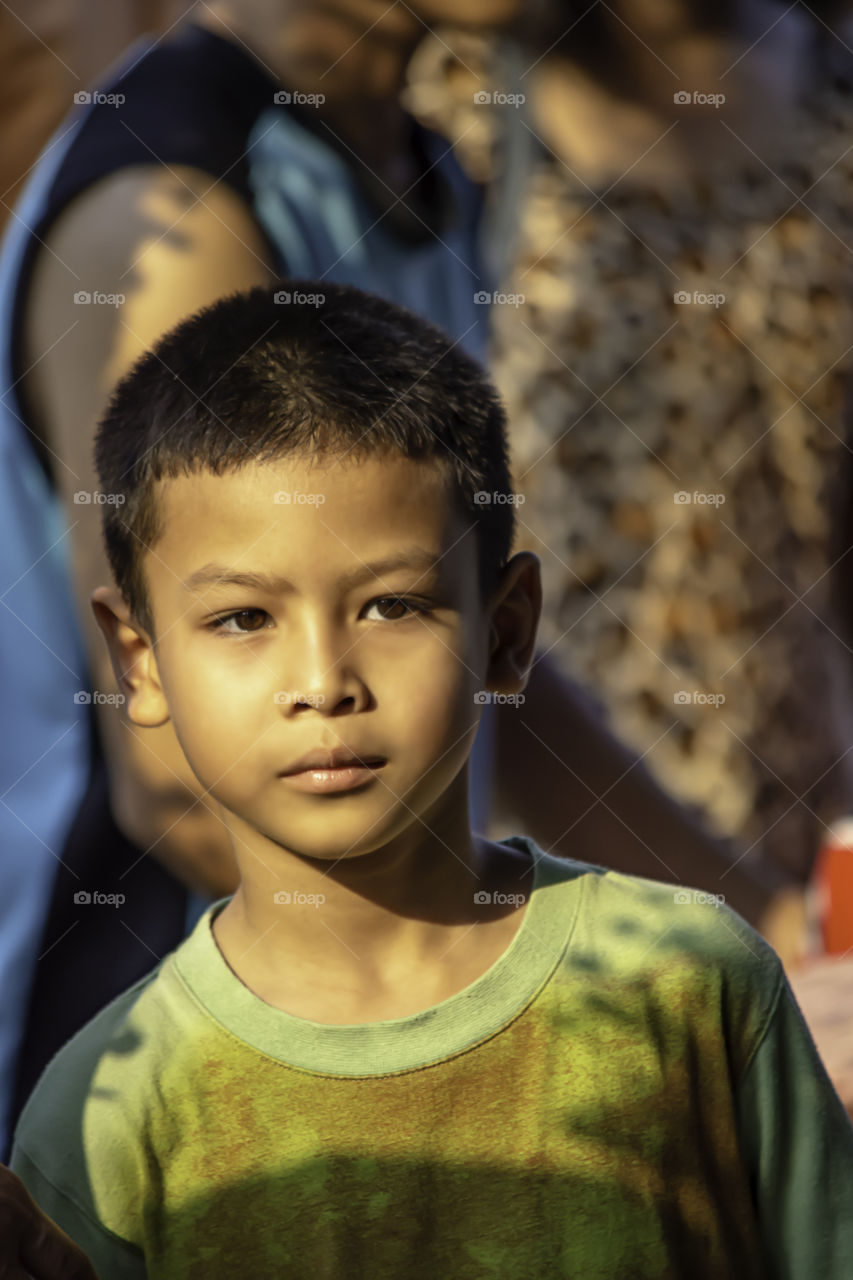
[[321, 672]]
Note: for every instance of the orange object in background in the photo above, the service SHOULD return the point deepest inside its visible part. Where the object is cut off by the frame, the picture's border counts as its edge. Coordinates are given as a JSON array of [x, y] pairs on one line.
[[823, 981], [831, 890]]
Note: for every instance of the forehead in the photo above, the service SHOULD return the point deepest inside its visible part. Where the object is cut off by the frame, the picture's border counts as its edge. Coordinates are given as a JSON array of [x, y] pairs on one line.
[[309, 514]]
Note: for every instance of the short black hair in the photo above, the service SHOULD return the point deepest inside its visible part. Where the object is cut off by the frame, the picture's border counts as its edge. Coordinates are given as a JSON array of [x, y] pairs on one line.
[[298, 368]]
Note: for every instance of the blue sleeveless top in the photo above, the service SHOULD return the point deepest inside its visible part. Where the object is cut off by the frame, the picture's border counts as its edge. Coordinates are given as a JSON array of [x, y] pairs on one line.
[[197, 100]]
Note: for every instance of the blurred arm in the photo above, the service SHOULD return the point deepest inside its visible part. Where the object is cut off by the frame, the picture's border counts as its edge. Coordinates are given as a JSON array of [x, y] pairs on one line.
[[141, 234], [31, 1240]]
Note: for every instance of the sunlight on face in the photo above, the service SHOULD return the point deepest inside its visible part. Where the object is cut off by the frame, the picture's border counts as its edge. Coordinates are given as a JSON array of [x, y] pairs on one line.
[[384, 661]]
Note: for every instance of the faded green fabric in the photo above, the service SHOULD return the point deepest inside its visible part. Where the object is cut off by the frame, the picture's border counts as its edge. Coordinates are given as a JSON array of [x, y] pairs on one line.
[[628, 1092]]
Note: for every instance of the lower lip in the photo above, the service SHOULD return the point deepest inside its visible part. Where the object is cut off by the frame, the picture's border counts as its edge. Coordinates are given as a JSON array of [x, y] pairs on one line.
[[321, 780]]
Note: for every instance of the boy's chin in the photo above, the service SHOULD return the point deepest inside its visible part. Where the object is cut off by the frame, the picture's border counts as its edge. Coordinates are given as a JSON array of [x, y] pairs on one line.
[[348, 843]]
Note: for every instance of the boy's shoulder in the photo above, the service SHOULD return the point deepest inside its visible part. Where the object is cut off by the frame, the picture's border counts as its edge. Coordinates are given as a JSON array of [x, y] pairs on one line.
[[101, 1082], [666, 944], [65, 1082], [639, 919], [49, 1151], [638, 916]]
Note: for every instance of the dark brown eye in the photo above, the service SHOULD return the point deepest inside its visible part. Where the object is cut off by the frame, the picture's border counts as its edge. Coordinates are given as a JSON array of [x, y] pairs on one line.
[[410, 608], [218, 624]]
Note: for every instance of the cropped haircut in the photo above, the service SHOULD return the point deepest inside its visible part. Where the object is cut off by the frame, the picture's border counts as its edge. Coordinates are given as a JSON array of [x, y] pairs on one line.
[[257, 378]]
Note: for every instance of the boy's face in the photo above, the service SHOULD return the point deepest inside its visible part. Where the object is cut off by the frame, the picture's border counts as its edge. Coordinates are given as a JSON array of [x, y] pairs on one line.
[[329, 661]]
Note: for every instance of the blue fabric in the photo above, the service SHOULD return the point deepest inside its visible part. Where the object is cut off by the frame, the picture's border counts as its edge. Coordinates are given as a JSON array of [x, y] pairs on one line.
[[44, 747], [197, 904], [296, 177]]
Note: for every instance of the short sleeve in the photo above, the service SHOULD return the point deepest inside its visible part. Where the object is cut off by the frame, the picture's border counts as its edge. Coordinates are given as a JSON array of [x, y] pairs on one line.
[[112, 1258], [797, 1142]]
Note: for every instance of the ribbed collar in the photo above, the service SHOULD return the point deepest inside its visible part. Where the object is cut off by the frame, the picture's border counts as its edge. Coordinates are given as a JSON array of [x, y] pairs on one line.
[[400, 1044]]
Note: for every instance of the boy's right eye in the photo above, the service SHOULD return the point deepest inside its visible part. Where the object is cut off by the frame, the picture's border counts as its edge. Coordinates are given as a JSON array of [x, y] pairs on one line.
[[218, 624]]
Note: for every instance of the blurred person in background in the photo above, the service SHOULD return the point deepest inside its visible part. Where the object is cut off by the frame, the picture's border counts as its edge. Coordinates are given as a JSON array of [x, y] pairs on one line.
[[675, 377]]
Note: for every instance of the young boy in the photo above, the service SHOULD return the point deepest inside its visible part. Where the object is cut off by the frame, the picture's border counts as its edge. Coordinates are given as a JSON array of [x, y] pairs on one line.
[[399, 1049]]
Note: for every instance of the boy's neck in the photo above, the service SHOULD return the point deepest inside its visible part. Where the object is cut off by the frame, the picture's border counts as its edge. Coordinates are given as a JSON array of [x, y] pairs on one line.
[[392, 932]]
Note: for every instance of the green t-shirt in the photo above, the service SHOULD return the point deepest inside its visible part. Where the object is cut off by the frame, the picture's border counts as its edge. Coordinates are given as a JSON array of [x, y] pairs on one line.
[[629, 1092]]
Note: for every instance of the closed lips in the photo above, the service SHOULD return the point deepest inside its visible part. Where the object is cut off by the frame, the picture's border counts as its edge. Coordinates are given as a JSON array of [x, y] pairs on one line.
[[324, 761]]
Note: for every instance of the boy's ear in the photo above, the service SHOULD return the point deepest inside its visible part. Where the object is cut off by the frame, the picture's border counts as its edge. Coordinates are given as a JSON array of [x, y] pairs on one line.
[[515, 612], [132, 657]]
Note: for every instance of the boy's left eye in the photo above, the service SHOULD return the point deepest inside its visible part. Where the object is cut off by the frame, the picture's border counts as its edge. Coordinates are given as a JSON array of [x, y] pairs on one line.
[[413, 607], [218, 624]]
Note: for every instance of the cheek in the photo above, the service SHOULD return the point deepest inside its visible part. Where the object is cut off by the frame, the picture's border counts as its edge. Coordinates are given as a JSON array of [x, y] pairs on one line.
[[216, 705], [432, 691]]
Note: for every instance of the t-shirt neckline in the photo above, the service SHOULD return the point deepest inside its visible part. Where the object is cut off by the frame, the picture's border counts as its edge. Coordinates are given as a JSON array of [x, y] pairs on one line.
[[458, 1023]]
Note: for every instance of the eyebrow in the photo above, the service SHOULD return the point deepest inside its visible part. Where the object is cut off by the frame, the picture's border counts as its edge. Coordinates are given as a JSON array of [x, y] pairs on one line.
[[215, 574]]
